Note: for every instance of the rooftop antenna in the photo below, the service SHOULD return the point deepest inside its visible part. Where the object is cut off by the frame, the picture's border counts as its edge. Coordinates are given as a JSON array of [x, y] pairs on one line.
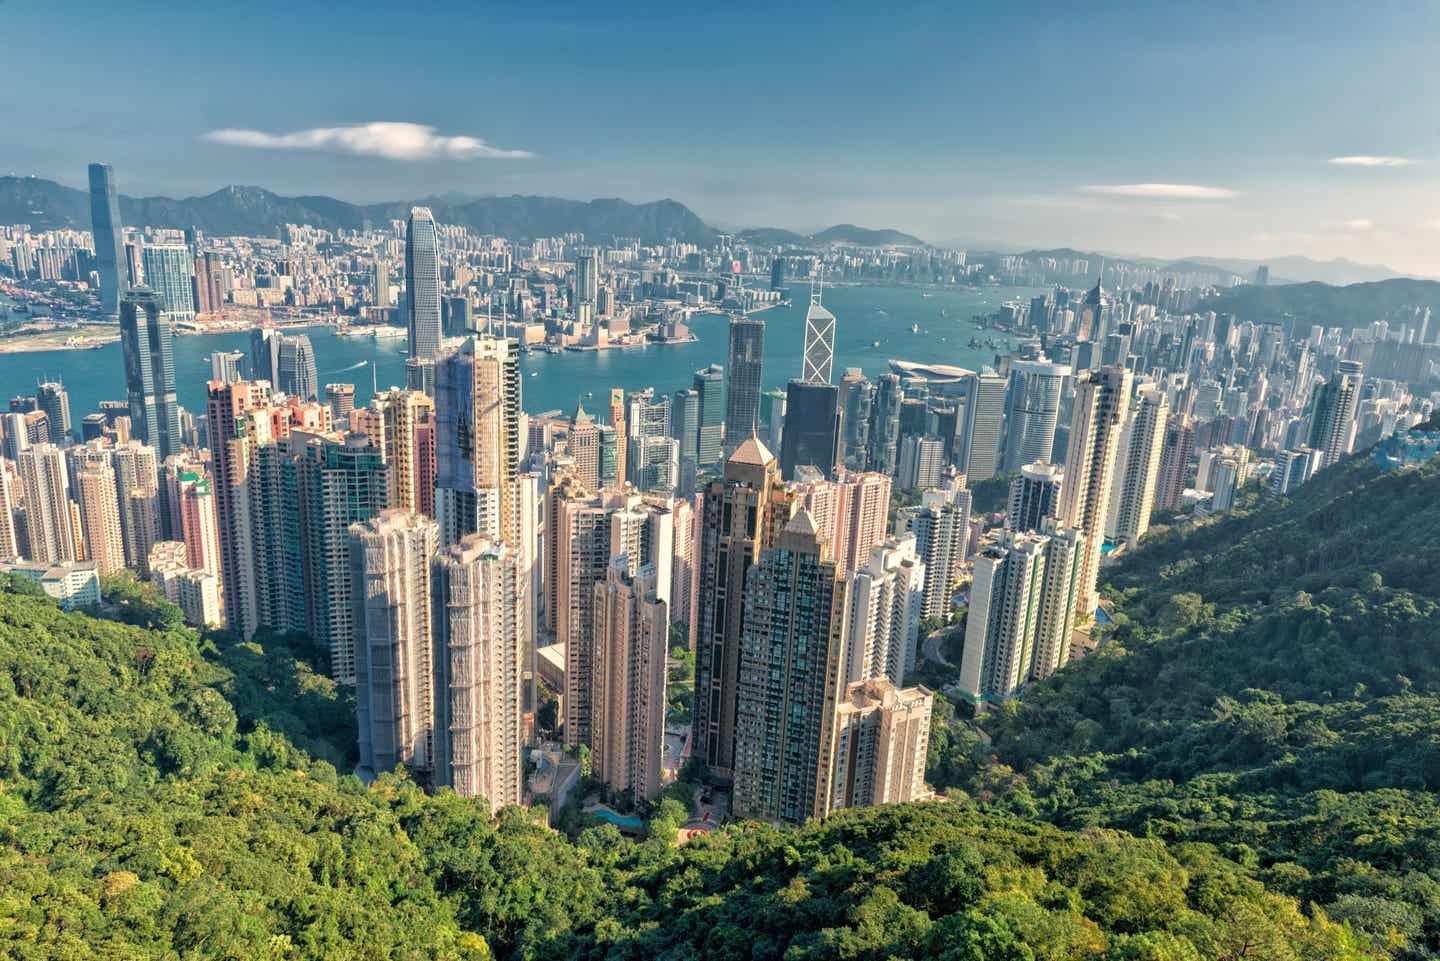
[[374, 379], [817, 286]]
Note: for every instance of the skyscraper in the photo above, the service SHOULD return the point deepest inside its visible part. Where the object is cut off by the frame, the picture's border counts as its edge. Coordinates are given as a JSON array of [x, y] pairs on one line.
[[100, 516], [818, 359], [1332, 413], [149, 356], [1175, 454], [170, 272], [422, 283], [479, 590], [587, 276], [792, 648], [1021, 611], [477, 416], [55, 402], [631, 630], [1137, 471], [941, 525], [885, 424], [341, 481], [984, 425], [709, 384], [812, 428], [621, 438], [886, 598], [227, 365], [239, 424], [1034, 496], [1102, 399], [48, 522], [584, 448], [394, 658], [742, 514], [743, 379], [1035, 389], [297, 368], [137, 484], [881, 737], [109, 238]]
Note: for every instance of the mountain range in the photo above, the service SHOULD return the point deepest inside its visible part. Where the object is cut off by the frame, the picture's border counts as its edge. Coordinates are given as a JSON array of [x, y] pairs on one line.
[[256, 212]]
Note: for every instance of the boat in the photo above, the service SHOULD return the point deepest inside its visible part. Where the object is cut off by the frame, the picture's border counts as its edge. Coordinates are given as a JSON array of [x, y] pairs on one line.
[[914, 328], [534, 373], [874, 343]]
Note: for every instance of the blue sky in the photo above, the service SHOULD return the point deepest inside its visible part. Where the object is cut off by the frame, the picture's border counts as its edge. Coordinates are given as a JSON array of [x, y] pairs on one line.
[[975, 123]]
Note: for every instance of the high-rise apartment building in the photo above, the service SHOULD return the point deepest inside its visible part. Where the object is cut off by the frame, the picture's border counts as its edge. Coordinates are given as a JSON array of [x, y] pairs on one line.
[[1332, 412], [1034, 496], [1137, 470], [742, 514], [422, 283], [109, 238], [137, 483], [478, 435], [341, 398], [1293, 468], [49, 524], [479, 590], [631, 628], [882, 733], [390, 559], [743, 379], [149, 356], [239, 422], [1102, 399], [1021, 611], [1175, 454], [340, 480], [170, 273], [1034, 410], [886, 598], [789, 684], [941, 525], [52, 398], [100, 517]]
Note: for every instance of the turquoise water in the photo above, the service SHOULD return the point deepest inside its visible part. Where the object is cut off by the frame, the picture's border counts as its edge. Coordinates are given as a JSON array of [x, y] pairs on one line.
[[864, 315], [619, 820]]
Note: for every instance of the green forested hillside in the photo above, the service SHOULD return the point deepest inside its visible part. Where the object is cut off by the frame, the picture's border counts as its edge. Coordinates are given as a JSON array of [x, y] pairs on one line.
[[1273, 689], [150, 807]]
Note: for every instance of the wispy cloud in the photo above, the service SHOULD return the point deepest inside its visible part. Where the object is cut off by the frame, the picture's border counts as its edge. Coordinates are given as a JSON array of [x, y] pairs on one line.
[[1161, 191], [1363, 160], [392, 141], [1360, 223]]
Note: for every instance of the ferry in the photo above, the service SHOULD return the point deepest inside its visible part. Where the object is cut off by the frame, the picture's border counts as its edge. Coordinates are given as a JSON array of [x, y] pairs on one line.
[[914, 328]]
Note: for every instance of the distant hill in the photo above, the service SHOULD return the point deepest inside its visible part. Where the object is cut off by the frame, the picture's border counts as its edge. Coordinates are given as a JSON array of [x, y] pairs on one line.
[[865, 237], [1355, 305], [838, 234], [254, 211], [1302, 269]]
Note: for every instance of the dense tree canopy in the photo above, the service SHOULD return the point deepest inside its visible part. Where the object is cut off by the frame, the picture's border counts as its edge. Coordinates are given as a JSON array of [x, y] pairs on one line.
[[1273, 689]]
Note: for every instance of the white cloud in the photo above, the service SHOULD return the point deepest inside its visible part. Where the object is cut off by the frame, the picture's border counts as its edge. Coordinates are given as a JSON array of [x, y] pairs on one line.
[[1161, 191], [1368, 161], [392, 141], [1360, 223]]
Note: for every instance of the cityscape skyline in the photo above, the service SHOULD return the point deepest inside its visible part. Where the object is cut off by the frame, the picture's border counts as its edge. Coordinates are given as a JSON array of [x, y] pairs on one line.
[[1271, 153]]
